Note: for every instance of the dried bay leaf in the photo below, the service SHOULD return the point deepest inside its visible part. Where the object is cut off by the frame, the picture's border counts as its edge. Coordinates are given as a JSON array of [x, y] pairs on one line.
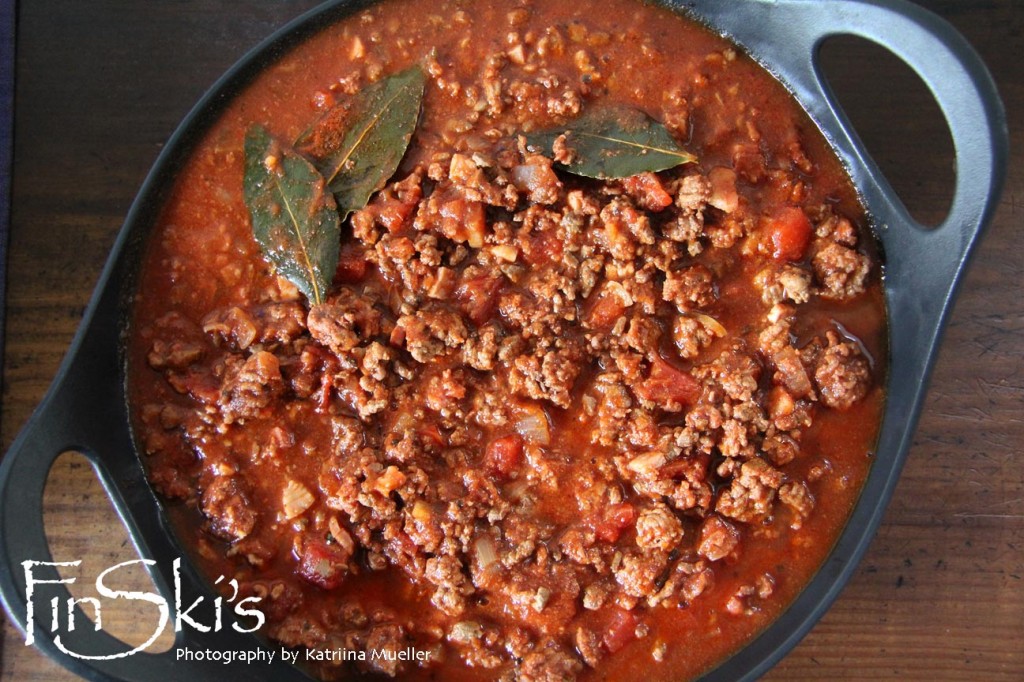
[[359, 143], [294, 216], [614, 142]]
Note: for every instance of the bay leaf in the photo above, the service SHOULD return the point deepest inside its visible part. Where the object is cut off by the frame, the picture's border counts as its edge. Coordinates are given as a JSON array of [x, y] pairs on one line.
[[358, 144], [294, 216], [614, 142]]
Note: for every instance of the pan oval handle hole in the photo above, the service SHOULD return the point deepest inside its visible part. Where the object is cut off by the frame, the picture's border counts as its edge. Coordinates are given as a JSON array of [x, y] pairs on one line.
[[898, 120], [82, 525]]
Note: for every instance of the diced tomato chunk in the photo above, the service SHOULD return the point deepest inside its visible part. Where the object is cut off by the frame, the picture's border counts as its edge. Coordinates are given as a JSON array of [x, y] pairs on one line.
[[789, 232], [323, 565], [666, 384], [201, 385], [464, 221], [393, 214], [323, 395], [432, 434], [352, 264], [479, 297], [604, 308], [544, 247], [648, 191], [617, 518], [393, 206], [620, 632], [694, 468], [504, 455]]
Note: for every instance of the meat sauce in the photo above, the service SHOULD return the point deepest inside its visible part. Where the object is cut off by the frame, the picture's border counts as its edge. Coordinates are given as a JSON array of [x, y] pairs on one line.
[[542, 426]]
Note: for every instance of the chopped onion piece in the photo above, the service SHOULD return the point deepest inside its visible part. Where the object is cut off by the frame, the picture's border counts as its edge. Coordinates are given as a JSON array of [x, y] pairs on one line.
[[296, 499], [540, 600], [466, 631], [234, 324], [711, 323], [723, 189], [505, 252], [421, 511], [392, 479], [341, 536], [517, 491], [404, 422], [532, 425], [645, 464], [486, 555]]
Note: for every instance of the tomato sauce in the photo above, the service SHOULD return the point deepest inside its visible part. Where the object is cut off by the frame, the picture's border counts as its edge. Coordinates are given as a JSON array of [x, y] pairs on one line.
[[542, 426]]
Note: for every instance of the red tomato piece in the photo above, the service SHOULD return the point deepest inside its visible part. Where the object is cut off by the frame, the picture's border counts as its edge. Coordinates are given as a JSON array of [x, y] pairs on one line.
[[504, 455], [479, 297], [617, 518], [393, 213], [648, 191], [621, 631], [352, 264], [464, 221], [432, 434], [606, 307], [323, 565], [544, 247], [789, 232], [666, 384]]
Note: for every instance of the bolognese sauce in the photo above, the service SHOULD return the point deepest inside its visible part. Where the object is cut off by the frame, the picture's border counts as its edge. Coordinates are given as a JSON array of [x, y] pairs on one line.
[[540, 425]]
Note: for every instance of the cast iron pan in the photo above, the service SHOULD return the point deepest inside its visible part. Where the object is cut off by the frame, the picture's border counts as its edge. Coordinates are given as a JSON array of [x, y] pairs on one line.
[[85, 408]]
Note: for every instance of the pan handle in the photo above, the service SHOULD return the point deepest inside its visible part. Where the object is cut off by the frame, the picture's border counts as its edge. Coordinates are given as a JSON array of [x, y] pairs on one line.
[[25, 552], [76, 415], [964, 89], [786, 36]]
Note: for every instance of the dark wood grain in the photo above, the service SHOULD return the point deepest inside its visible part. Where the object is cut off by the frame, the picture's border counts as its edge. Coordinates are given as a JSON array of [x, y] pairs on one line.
[[940, 595]]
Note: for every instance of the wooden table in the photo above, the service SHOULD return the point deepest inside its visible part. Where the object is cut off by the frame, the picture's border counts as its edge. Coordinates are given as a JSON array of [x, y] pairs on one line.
[[940, 595]]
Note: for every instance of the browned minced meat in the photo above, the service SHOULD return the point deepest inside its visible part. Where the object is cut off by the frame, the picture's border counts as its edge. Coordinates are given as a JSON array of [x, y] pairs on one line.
[[842, 373], [841, 270], [250, 385], [539, 423], [690, 288], [229, 510], [750, 497]]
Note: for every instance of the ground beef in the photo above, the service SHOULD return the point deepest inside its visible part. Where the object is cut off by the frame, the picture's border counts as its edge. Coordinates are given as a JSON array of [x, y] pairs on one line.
[[173, 355], [481, 349], [382, 640], [638, 573], [430, 333], [718, 538], [691, 288], [797, 496], [344, 322], [751, 496], [787, 283], [658, 528], [735, 371], [250, 386], [538, 405], [227, 507], [446, 573], [843, 374], [547, 373], [690, 336], [549, 663], [588, 644], [841, 271]]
